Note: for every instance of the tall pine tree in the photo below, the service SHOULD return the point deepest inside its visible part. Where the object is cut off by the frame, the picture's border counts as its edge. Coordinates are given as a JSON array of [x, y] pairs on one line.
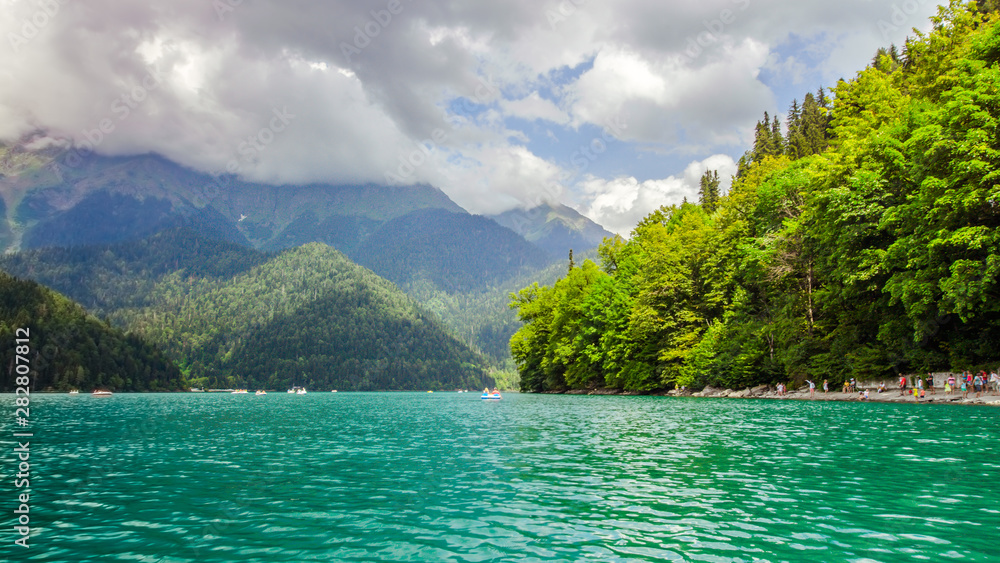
[[708, 193]]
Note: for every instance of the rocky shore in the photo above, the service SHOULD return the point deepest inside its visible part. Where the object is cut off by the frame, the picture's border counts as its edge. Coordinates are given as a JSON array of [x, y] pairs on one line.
[[890, 396], [802, 393]]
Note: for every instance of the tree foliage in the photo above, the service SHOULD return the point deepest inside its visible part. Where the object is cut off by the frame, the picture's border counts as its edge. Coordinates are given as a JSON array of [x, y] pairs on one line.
[[68, 349], [230, 316], [862, 243]]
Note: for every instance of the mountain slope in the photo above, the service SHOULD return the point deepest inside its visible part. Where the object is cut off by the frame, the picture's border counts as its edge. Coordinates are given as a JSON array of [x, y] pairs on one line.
[[106, 278], [456, 252], [556, 229], [232, 316], [110, 199], [309, 317], [69, 349]]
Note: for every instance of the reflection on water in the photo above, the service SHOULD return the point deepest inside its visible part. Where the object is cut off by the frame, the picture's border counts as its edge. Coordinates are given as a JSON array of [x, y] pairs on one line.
[[448, 477]]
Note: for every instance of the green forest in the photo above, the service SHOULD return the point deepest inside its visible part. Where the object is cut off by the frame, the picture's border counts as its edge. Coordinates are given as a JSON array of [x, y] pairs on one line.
[[69, 349], [231, 316], [858, 240]]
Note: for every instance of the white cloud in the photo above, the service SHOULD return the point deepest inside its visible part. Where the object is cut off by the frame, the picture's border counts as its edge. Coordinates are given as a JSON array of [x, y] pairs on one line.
[[618, 204], [534, 107], [223, 74], [496, 177], [669, 100]]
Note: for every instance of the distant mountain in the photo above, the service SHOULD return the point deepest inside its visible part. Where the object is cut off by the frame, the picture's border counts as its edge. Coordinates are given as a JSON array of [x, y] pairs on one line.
[[554, 228], [457, 252], [100, 200], [68, 349], [414, 236], [233, 316]]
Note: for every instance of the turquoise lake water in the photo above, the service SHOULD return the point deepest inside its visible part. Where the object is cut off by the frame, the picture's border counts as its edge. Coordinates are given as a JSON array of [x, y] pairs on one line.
[[448, 477]]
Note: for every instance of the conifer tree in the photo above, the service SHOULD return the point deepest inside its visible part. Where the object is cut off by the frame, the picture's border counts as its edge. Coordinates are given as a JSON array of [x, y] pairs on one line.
[[795, 143], [777, 141], [708, 193], [814, 125]]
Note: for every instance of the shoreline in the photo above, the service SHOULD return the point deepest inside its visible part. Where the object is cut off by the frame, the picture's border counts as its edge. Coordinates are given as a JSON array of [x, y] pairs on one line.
[[802, 394]]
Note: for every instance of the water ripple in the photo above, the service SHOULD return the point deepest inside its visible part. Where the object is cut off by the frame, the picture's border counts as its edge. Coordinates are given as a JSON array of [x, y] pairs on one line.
[[444, 477]]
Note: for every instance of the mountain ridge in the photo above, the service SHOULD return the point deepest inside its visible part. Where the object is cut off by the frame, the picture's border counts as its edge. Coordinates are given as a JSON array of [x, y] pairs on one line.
[[232, 316], [555, 228]]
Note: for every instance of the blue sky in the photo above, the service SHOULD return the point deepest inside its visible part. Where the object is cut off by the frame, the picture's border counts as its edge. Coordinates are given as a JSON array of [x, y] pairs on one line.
[[613, 108]]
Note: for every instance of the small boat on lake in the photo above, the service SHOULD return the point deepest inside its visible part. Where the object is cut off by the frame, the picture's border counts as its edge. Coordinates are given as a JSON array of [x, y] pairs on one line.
[[74, 392], [240, 392], [491, 397], [101, 393], [261, 392]]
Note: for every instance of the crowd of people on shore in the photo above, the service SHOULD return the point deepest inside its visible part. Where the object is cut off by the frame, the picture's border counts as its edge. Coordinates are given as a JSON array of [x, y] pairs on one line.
[[967, 382], [979, 384]]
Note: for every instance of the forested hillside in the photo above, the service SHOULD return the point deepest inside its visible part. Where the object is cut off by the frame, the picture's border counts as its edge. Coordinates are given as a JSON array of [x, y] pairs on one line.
[[235, 317], [107, 278], [307, 317], [860, 242], [69, 349], [456, 252]]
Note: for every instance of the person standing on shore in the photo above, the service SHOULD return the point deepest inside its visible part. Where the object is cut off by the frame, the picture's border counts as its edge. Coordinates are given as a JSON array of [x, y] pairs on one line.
[[950, 386], [995, 382], [826, 386], [977, 384], [965, 389], [902, 385], [812, 389], [930, 383]]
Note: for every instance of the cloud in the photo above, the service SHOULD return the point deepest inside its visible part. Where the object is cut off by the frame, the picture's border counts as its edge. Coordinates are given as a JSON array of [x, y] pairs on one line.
[[669, 101], [368, 81], [534, 107], [620, 203]]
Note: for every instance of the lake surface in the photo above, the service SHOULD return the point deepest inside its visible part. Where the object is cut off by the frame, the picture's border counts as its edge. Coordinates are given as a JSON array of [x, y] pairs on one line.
[[448, 477]]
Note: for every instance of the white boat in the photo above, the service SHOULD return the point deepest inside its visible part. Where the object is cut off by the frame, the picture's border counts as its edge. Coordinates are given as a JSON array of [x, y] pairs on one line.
[[74, 392], [100, 393], [491, 397], [300, 391], [240, 392], [334, 391], [261, 392]]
